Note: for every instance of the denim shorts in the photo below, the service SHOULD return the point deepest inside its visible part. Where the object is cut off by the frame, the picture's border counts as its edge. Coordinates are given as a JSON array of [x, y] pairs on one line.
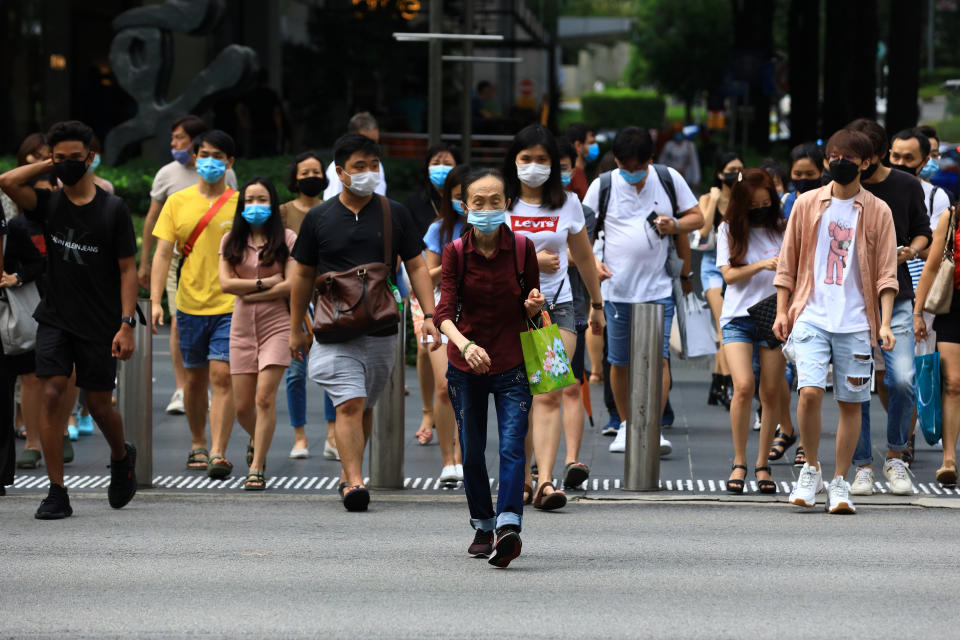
[[813, 349], [710, 275], [744, 330], [563, 316], [204, 338], [618, 329]]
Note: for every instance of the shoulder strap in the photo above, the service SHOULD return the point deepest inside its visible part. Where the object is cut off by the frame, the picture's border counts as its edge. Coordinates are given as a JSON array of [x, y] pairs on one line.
[[667, 181], [214, 209], [603, 202], [387, 229], [458, 247], [520, 253], [933, 192]]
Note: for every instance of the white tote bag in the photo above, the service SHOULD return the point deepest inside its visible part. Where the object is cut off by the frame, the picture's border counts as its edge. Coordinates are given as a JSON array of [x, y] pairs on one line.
[[18, 329], [693, 335]]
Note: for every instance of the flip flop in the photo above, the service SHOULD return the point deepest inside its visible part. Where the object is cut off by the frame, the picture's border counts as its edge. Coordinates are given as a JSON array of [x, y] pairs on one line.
[[947, 476], [528, 493], [556, 500], [198, 459], [575, 474]]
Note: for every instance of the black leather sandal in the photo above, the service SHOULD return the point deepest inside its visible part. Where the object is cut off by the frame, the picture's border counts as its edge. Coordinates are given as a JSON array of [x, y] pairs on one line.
[[735, 485], [765, 486], [781, 444]]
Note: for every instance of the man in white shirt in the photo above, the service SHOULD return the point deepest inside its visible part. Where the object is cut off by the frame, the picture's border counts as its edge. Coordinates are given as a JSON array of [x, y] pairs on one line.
[[366, 125], [632, 254]]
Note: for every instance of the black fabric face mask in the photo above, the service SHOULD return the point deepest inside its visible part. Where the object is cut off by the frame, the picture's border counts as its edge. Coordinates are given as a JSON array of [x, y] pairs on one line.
[[70, 171], [802, 185], [902, 167], [312, 186], [869, 171], [759, 215], [730, 179], [843, 171]]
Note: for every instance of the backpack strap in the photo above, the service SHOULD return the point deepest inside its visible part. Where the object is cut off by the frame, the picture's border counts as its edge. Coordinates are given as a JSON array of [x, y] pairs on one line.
[[603, 203], [461, 261], [519, 265], [667, 181], [933, 192]]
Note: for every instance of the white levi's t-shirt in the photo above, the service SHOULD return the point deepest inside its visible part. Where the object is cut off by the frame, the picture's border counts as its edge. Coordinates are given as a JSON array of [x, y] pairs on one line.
[[548, 229], [740, 296], [634, 252], [836, 303]]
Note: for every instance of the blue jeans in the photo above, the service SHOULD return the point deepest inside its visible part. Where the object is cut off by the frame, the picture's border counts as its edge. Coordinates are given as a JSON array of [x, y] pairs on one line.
[[900, 388], [618, 329], [204, 338], [511, 396], [297, 395]]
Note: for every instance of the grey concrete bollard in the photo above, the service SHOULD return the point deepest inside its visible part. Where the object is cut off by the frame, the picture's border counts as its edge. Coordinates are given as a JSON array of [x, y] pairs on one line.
[[135, 396], [386, 438], [641, 467]]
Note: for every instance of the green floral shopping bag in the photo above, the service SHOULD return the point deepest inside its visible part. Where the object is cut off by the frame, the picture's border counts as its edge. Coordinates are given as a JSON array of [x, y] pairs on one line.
[[545, 358]]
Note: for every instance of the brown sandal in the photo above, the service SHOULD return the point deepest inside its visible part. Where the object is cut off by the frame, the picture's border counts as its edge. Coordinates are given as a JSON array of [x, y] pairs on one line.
[[527, 493], [556, 500], [947, 475]]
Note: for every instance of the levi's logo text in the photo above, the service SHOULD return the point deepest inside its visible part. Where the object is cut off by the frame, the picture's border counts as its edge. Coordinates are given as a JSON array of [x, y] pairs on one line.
[[534, 224]]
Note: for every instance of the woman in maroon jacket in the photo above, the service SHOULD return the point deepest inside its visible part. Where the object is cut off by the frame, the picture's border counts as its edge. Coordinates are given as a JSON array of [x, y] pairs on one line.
[[487, 294]]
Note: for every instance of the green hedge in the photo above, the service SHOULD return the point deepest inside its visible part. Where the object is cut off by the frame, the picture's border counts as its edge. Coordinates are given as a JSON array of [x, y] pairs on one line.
[[939, 75], [617, 108]]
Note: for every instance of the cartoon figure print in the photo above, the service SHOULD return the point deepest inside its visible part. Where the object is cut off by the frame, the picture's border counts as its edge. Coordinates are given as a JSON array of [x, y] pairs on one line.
[[840, 239]]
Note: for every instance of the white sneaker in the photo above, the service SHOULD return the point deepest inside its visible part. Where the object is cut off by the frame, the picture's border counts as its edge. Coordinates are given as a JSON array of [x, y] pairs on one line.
[[330, 453], [619, 444], [448, 474], [838, 497], [863, 483], [809, 484], [459, 472], [299, 454], [176, 408], [898, 477], [665, 447], [756, 422]]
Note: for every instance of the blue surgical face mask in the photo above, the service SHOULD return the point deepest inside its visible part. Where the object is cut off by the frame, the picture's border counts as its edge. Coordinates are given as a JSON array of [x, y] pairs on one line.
[[633, 177], [565, 177], [438, 174], [211, 169], [96, 163], [256, 214], [593, 152], [486, 222], [181, 155], [678, 137], [457, 207], [929, 169]]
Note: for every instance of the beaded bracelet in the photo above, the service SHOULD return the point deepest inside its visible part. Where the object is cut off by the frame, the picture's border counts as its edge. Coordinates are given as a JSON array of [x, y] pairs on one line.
[[463, 352]]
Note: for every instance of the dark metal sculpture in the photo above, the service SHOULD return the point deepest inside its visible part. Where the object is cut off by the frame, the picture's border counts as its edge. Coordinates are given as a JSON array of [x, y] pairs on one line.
[[142, 57]]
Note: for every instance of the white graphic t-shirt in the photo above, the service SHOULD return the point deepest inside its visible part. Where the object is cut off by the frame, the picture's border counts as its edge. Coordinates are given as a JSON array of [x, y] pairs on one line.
[[548, 229], [740, 296], [836, 303]]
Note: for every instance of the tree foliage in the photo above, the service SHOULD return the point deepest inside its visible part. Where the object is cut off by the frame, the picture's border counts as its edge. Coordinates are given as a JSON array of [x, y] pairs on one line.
[[684, 46]]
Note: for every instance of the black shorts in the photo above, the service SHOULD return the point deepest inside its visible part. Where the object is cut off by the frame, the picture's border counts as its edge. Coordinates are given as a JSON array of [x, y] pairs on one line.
[[947, 325], [58, 352]]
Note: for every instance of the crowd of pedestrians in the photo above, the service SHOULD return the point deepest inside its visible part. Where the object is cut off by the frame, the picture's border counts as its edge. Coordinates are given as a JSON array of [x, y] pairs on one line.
[[815, 276]]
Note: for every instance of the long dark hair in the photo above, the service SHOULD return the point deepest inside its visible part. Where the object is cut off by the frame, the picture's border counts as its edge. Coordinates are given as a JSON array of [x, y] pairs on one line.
[[448, 217], [427, 190], [737, 216], [275, 249], [722, 161], [554, 196]]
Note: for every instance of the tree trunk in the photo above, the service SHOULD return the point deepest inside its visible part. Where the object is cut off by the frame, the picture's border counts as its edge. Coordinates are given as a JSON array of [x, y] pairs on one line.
[[904, 64], [849, 63], [804, 72]]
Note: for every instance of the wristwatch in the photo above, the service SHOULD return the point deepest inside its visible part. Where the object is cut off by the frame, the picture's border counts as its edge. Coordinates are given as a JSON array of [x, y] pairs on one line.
[[259, 284], [596, 305], [130, 320], [19, 280], [687, 276], [916, 253]]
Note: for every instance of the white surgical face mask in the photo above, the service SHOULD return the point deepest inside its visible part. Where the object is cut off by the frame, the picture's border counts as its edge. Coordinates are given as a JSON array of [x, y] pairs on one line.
[[365, 183], [533, 174]]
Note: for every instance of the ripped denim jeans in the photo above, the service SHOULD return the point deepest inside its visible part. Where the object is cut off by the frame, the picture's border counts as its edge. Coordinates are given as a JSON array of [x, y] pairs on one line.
[[813, 349], [469, 395]]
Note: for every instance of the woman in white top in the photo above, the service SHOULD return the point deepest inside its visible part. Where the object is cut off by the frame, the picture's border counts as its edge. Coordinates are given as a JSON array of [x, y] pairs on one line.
[[553, 219], [748, 246]]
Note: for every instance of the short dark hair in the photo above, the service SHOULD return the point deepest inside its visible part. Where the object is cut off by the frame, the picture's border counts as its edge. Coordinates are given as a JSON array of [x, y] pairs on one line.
[[567, 150], [221, 140], [69, 130], [530, 136], [633, 142], [29, 147], [928, 131], [810, 151], [300, 157], [478, 175], [192, 125], [874, 132], [914, 132], [352, 143], [776, 171], [426, 187], [849, 141], [577, 132], [363, 121]]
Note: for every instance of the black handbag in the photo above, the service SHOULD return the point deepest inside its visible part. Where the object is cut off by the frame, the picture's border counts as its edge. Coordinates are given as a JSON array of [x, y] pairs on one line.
[[763, 314]]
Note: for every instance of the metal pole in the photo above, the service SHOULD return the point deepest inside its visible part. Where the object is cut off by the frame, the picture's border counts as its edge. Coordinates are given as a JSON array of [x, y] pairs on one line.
[[386, 440], [435, 75], [930, 14], [135, 397], [466, 103], [641, 466]]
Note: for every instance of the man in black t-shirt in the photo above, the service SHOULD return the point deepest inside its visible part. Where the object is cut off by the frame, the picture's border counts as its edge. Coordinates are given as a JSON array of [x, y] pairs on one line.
[[85, 315], [339, 234], [904, 195]]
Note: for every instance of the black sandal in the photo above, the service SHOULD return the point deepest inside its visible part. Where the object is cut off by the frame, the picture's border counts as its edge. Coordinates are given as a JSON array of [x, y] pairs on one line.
[[254, 482], [801, 458], [765, 486], [784, 442], [735, 485]]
